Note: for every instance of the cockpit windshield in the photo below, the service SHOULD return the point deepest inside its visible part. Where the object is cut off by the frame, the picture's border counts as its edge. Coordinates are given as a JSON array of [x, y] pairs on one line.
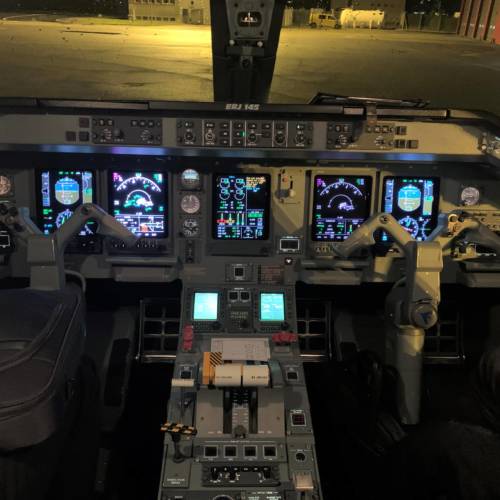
[[444, 52]]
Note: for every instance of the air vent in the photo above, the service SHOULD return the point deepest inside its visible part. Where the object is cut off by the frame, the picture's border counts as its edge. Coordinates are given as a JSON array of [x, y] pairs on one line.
[[444, 342], [159, 329], [313, 328]]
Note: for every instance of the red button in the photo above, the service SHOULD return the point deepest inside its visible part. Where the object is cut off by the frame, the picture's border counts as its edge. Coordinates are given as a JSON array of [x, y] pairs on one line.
[[187, 337], [285, 338]]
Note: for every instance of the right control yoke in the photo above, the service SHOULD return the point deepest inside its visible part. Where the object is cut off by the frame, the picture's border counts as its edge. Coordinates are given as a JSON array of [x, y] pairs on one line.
[[410, 309], [424, 264], [412, 304]]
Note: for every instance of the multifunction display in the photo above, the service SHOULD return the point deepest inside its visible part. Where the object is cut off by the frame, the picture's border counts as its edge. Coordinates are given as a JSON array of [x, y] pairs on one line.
[[340, 205], [138, 201], [205, 306], [241, 207], [61, 192], [272, 307], [413, 201]]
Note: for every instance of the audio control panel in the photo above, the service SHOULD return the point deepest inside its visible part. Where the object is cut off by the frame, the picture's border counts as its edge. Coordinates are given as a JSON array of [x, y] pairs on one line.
[[127, 130]]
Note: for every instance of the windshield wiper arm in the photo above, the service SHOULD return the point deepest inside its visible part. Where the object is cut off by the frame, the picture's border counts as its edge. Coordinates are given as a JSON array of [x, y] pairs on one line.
[[322, 98]]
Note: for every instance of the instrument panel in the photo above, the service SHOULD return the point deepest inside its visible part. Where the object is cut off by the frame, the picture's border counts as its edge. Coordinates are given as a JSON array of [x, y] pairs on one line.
[[250, 197], [279, 223]]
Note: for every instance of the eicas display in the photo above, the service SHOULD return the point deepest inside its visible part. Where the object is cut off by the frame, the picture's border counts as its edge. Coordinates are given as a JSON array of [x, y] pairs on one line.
[[413, 202], [61, 192], [138, 201], [340, 205], [241, 207]]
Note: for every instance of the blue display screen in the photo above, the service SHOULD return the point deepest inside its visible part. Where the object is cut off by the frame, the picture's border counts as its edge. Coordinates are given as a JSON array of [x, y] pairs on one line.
[[62, 191], [206, 306], [413, 201], [272, 307]]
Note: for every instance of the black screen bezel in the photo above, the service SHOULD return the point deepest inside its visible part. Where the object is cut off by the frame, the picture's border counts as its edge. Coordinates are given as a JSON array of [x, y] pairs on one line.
[[369, 178], [166, 220], [435, 202], [267, 213]]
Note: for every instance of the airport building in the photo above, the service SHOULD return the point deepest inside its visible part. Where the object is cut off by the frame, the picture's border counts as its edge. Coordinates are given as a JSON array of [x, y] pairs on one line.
[[182, 11]]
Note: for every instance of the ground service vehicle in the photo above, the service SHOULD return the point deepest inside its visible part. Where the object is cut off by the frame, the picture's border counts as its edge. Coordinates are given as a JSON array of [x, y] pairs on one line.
[[322, 20], [238, 300]]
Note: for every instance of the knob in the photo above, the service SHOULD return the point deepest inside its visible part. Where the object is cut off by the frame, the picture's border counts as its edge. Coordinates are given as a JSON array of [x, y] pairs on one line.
[[299, 138], [118, 133], [252, 137], [279, 138], [189, 137]]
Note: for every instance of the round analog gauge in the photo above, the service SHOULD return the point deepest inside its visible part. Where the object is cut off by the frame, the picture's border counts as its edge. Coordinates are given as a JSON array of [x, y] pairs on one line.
[[190, 228], [5, 185], [470, 196], [410, 225], [190, 204], [190, 179]]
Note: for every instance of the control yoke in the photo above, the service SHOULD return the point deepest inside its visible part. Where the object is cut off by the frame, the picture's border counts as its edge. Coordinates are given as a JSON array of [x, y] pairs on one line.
[[424, 264], [108, 226], [412, 304], [453, 225], [46, 252], [362, 237]]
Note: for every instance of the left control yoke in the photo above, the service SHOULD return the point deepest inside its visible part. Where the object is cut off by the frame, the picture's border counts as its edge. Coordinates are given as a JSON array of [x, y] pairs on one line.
[[46, 252]]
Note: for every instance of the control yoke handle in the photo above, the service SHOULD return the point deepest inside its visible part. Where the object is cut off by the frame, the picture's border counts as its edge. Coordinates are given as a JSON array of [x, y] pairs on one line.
[[362, 237], [453, 225], [108, 226]]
